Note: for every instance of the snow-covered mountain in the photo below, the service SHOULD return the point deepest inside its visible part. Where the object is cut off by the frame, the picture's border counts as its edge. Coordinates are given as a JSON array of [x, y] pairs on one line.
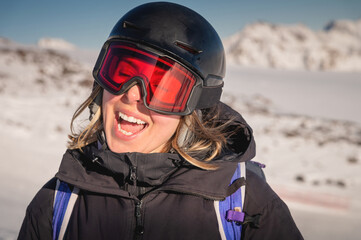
[[262, 44]]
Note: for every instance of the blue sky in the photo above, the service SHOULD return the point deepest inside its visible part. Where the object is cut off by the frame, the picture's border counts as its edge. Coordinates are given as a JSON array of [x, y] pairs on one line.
[[88, 23]]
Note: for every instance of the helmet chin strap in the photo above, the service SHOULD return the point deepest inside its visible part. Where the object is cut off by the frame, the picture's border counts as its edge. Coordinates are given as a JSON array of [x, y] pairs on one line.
[[93, 108], [95, 105]]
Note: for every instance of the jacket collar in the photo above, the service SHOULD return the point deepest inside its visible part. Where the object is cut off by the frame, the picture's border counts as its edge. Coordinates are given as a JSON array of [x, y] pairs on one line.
[[151, 168], [159, 170]]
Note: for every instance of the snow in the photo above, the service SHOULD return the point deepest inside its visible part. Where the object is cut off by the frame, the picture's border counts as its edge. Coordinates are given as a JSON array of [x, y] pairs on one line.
[[307, 126], [323, 94]]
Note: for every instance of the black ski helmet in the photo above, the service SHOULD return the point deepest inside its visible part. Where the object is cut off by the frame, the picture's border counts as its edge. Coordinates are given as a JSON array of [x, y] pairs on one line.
[[181, 34]]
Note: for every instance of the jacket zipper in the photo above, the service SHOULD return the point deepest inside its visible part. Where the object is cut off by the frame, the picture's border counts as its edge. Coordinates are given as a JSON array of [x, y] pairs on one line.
[[139, 228]]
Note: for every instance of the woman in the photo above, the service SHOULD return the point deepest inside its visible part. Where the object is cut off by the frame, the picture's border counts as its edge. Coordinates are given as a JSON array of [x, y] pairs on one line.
[[158, 157]]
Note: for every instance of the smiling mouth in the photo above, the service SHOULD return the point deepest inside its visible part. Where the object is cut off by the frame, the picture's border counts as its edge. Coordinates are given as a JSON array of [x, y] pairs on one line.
[[129, 125]]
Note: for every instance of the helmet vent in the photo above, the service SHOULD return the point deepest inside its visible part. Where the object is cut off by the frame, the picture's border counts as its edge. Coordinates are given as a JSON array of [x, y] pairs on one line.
[[127, 24], [187, 47]]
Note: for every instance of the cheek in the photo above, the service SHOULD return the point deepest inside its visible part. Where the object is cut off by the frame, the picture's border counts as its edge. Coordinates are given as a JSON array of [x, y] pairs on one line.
[[166, 125]]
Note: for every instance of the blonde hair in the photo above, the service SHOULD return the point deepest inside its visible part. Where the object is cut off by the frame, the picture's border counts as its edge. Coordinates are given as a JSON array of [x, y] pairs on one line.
[[87, 135], [198, 134]]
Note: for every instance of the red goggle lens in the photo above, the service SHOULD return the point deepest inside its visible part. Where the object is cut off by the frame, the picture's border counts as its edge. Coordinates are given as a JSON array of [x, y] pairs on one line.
[[168, 84]]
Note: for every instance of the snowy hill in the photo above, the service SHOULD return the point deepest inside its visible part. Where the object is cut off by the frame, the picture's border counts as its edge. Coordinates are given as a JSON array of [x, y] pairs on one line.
[[38, 69], [55, 43], [312, 153], [337, 48]]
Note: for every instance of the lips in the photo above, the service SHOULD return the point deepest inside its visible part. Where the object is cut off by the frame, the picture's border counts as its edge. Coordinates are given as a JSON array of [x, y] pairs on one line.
[[129, 125]]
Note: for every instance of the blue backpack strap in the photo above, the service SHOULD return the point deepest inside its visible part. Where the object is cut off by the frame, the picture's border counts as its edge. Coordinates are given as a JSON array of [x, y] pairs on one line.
[[230, 211], [64, 201]]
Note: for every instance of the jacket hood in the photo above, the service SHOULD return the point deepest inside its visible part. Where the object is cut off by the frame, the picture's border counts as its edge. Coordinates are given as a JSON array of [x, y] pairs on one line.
[[241, 145], [104, 171]]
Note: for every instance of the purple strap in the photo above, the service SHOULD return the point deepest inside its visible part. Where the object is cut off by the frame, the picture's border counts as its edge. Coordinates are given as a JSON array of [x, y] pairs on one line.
[[60, 205], [235, 216], [232, 229]]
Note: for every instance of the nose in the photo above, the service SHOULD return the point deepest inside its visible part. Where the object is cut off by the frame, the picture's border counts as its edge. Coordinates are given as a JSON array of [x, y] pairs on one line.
[[134, 94]]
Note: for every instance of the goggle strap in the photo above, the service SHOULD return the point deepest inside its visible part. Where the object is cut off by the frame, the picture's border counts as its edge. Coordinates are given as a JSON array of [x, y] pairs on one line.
[[209, 97]]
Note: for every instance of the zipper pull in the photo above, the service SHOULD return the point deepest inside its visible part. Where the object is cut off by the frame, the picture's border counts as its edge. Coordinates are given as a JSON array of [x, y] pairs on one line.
[[133, 175]]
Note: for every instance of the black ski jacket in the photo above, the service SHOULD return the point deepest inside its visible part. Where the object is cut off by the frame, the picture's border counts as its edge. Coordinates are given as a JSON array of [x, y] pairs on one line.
[[157, 196]]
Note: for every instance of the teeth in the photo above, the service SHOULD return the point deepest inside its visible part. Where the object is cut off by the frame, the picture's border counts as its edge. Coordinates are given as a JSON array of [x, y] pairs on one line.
[[130, 119], [123, 131]]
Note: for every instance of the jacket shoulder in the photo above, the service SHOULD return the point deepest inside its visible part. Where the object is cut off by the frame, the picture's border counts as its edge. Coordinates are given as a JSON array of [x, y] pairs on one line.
[[37, 223], [275, 221]]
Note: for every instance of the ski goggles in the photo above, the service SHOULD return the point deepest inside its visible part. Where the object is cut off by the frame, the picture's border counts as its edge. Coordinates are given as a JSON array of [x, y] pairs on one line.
[[167, 86]]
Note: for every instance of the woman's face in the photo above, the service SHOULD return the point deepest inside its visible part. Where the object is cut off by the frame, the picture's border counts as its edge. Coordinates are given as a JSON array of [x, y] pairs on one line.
[[131, 127]]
